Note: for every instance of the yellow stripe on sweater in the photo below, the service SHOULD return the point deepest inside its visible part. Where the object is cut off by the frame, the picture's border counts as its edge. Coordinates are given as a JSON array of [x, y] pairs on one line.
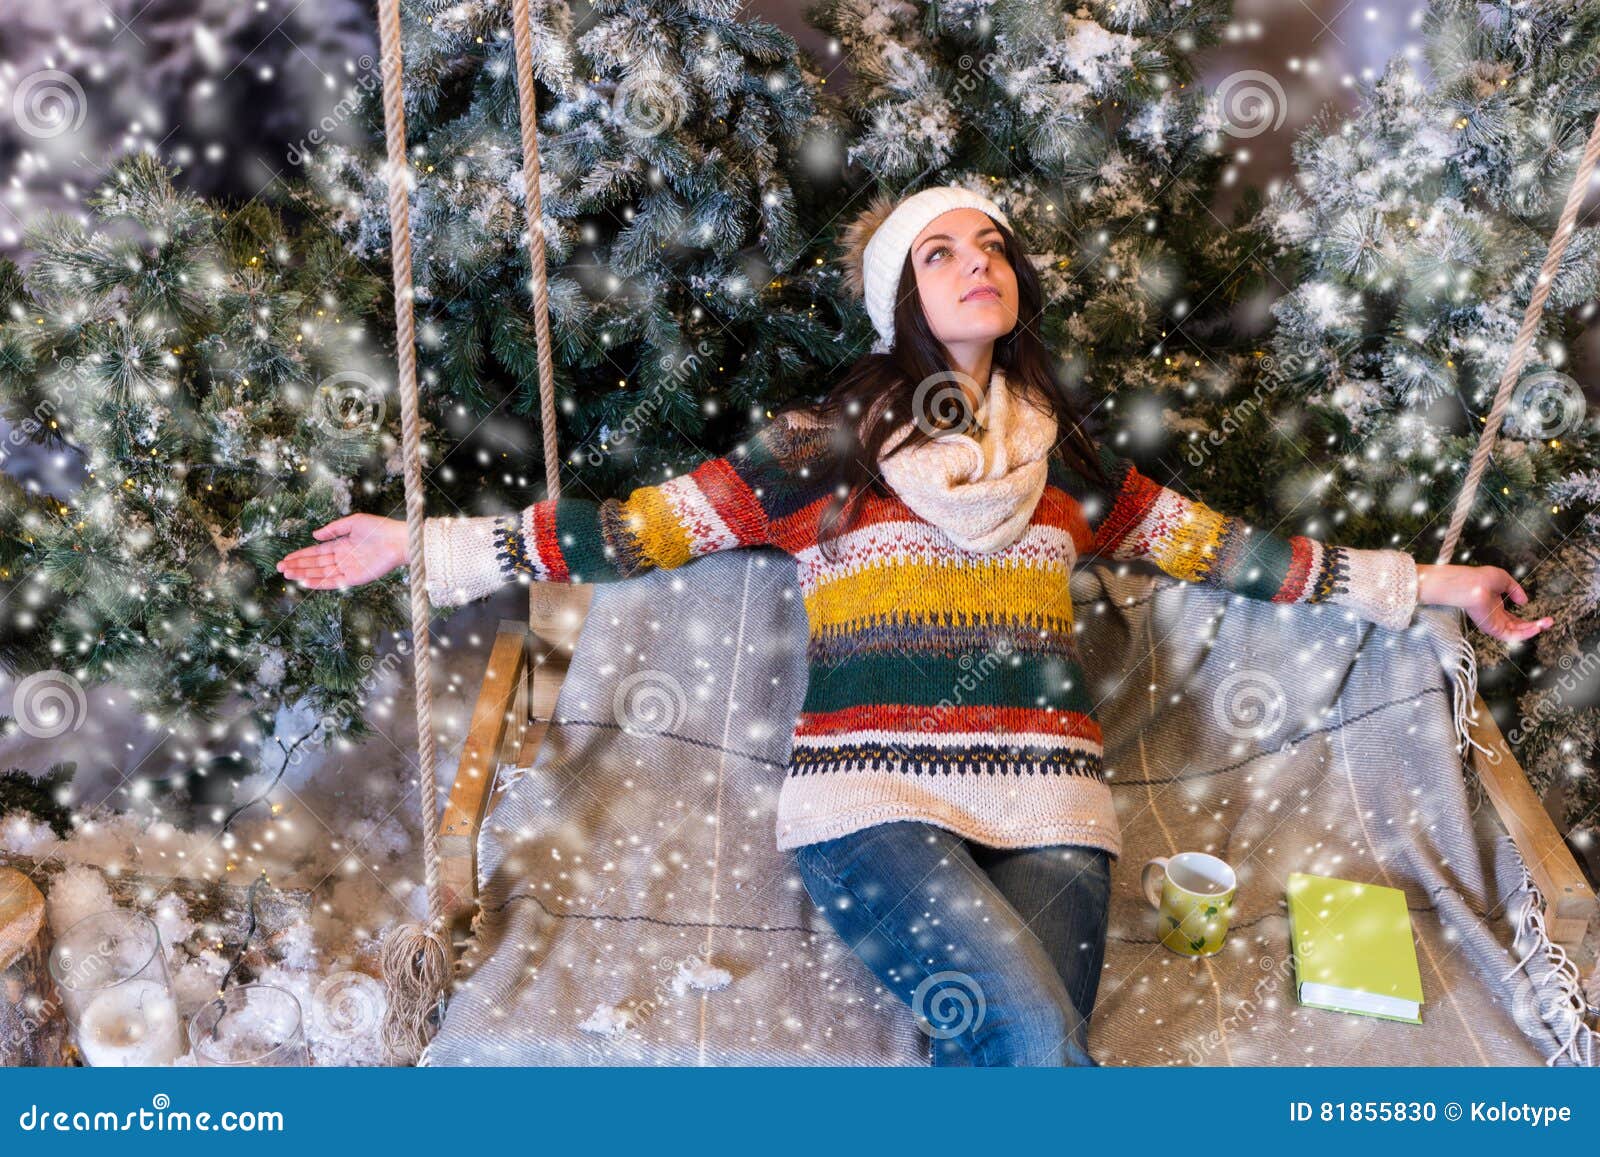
[[1188, 550], [662, 540], [937, 592]]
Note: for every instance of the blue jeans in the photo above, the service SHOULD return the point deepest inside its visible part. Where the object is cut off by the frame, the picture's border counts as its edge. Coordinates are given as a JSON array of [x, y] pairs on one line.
[[997, 951]]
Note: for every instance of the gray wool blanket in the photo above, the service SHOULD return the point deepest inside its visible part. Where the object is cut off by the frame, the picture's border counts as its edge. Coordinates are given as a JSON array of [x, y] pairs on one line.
[[636, 911]]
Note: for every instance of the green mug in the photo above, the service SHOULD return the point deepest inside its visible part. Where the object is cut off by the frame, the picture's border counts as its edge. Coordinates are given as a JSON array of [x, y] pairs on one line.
[[1192, 893]]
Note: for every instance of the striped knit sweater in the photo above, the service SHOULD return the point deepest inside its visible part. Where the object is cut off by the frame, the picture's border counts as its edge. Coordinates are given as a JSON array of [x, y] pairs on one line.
[[944, 685]]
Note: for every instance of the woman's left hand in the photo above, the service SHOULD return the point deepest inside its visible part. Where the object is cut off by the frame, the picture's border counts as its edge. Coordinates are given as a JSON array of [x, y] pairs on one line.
[[1478, 590]]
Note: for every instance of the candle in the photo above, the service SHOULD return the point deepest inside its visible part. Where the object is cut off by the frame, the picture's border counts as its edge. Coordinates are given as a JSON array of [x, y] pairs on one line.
[[135, 1023]]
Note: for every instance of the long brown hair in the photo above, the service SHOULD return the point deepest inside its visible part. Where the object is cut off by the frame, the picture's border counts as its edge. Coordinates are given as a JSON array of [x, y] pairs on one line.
[[880, 393]]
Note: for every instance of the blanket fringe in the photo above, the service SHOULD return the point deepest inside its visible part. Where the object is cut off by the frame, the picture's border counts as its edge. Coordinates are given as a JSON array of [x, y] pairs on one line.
[[1462, 669], [1562, 1000], [1464, 682], [425, 1057], [1560, 992]]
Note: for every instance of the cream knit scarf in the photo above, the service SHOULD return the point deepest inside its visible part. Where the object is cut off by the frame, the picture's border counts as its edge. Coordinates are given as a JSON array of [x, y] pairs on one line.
[[980, 487]]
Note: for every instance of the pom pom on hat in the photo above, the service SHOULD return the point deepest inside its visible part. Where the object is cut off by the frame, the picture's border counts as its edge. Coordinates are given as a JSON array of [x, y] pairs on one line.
[[853, 239]]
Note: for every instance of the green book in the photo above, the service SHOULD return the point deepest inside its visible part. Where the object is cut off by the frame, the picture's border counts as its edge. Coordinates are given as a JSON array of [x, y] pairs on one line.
[[1353, 950]]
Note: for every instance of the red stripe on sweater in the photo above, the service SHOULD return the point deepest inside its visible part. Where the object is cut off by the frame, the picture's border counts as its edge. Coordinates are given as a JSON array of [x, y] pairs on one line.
[[801, 529], [794, 532], [735, 503], [1299, 576], [1059, 509], [546, 543], [914, 721], [1134, 500], [876, 509]]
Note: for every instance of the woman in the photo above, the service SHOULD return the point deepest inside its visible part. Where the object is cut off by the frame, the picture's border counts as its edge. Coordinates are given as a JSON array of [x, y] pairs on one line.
[[945, 800]]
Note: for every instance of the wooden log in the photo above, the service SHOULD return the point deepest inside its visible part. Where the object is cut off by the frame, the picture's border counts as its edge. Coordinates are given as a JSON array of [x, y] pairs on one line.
[[33, 1023]]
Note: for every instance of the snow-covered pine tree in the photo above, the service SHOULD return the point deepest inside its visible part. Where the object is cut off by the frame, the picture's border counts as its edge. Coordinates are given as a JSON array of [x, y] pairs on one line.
[[1412, 235], [1085, 123], [672, 141], [215, 378], [225, 90]]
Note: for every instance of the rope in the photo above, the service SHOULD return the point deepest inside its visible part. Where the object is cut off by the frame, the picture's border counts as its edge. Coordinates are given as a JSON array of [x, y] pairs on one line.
[[522, 32], [1519, 351], [416, 958]]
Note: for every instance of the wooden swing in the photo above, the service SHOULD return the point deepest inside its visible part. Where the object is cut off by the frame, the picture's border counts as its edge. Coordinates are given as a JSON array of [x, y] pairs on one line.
[[528, 662]]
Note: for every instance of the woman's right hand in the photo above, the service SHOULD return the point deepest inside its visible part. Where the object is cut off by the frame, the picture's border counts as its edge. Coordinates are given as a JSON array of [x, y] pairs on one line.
[[352, 550]]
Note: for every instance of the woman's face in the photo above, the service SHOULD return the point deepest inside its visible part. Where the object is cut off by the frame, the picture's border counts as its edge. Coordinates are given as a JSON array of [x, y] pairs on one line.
[[968, 288]]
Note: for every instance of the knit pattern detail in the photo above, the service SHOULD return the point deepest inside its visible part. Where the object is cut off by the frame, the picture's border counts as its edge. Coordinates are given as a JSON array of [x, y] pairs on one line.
[[944, 684]]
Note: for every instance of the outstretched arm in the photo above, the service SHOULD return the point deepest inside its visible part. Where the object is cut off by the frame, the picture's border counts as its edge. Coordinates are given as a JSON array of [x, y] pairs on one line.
[[1139, 518], [724, 504]]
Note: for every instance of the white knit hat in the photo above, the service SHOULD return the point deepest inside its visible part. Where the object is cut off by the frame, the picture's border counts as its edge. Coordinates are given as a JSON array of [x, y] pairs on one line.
[[886, 249]]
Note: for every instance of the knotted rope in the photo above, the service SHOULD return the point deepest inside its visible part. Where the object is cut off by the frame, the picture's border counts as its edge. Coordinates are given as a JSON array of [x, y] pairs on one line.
[[416, 957]]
